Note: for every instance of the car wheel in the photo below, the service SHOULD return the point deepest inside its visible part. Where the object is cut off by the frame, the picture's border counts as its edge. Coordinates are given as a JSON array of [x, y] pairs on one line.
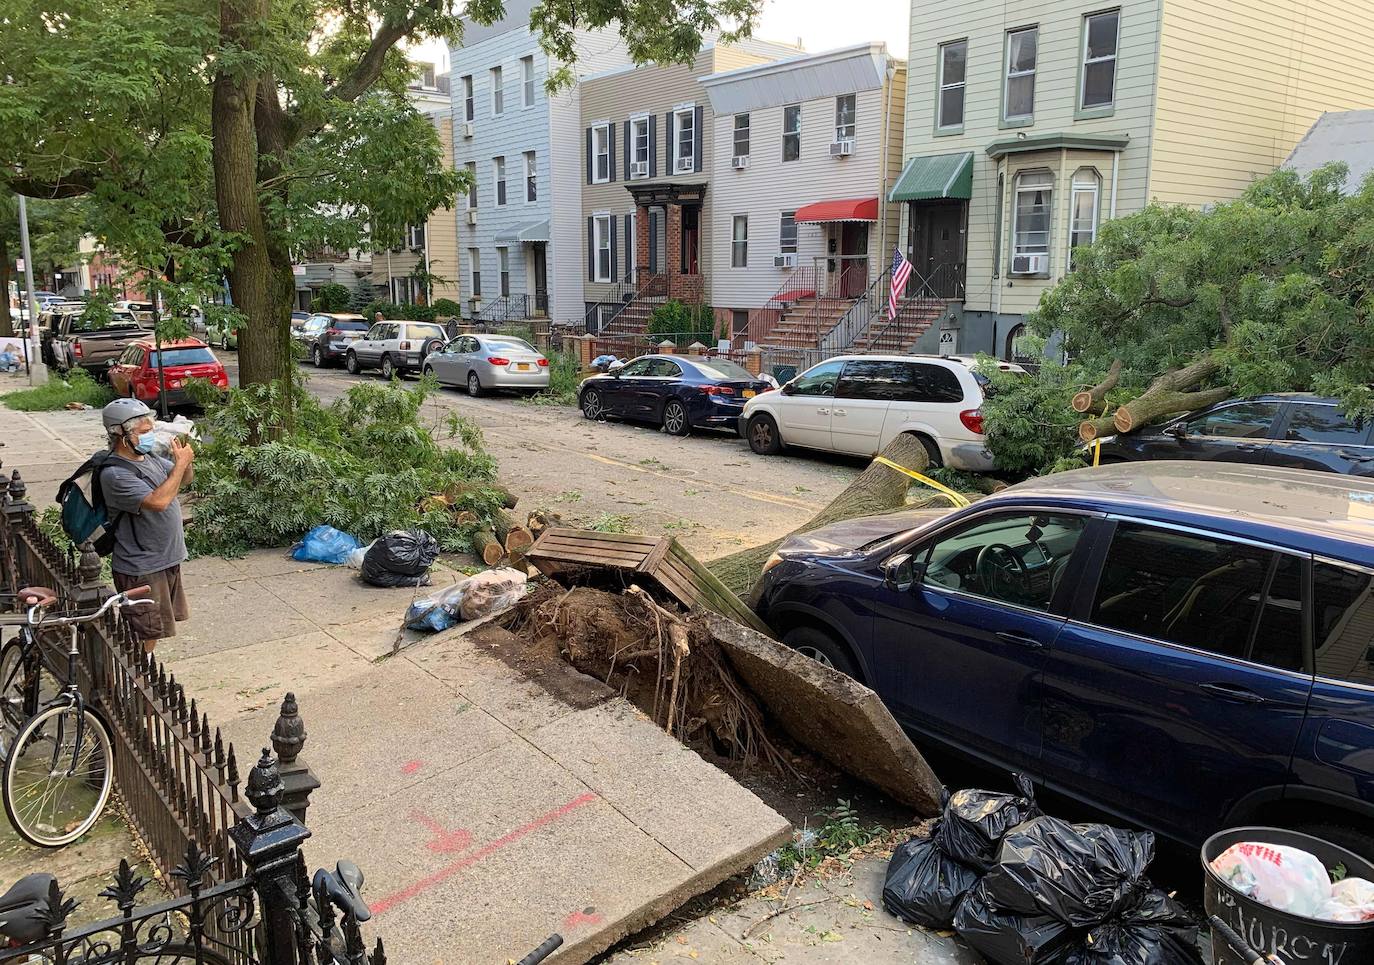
[[388, 368], [822, 648], [351, 363], [592, 406], [1342, 835], [428, 372], [474, 385], [317, 357], [763, 434], [933, 458], [675, 421]]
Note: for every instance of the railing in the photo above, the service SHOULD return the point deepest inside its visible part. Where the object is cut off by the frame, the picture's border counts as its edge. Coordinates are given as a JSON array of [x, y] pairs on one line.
[[620, 295], [505, 309], [631, 346], [800, 284], [856, 321], [919, 298]]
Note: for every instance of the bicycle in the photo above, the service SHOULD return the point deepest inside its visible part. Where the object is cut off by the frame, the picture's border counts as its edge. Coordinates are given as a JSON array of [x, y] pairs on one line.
[[59, 767]]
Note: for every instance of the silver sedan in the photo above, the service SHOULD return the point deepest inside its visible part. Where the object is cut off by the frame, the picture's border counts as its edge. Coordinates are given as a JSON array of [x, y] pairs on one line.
[[483, 362]]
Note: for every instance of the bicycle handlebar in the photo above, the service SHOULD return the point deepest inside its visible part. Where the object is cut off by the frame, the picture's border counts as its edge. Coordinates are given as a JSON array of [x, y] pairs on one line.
[[550, 945], [135, 596]]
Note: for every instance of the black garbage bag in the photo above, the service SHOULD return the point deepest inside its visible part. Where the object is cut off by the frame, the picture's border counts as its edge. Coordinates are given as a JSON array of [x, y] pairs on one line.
[[1079, 874], [1154, 930], [400, 558], [924, 886], [1007, 938], [974, 822]]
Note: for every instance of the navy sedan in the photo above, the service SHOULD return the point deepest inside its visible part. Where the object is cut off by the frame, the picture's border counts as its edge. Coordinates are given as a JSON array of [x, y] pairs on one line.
[[677, 392]]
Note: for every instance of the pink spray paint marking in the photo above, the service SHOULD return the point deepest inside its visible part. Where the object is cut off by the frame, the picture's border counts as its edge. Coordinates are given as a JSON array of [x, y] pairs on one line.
[[586, 916], [482, 853], [410, 767], [444, 840]]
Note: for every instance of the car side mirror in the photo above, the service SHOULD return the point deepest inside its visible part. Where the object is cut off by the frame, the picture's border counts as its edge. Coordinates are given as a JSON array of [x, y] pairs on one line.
[[1177, 430], [788, 388], [901, 572]]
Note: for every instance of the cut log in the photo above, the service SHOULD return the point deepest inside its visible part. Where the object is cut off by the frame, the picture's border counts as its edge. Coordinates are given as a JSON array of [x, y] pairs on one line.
[[878, 489], [518, 539], [1090, 400], [486, 545], [501, 525], [465, 518], [1096, 428], [458, 491], [539, 520], [1154, 405]]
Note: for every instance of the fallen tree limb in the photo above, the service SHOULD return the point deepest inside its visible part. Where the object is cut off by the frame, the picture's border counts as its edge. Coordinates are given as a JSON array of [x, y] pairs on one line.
[[1155, 405], [1096, 428], [1090, 400], [486, 545]]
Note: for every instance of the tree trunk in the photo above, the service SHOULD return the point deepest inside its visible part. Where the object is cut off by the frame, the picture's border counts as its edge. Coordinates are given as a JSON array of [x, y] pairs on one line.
[[878, 489], [485, 545], [1090, 400], [1095, 428], [1155, 405], [6, 322]]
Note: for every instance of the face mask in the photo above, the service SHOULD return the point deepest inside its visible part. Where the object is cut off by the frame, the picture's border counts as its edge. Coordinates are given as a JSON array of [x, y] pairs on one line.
[[146, 443]]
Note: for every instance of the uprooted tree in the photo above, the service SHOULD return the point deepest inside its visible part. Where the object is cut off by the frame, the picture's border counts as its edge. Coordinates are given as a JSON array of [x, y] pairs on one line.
[[1173, 309]]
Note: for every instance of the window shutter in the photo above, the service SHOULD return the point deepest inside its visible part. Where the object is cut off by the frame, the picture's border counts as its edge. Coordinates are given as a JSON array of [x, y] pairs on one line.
[[610, 150], [629, 250], [653, 145], [590, 160], [591, 249], [615, 273], [669, 155], [696, 148], [628, 155]]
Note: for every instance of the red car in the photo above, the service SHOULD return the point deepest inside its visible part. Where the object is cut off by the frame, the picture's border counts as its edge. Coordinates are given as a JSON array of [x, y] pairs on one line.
[[134, 373]]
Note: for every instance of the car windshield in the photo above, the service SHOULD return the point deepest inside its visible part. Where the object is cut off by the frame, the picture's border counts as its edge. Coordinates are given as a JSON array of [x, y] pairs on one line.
[[195, 355], [511, 341], [349, 325], [117, 321], [725, 369]]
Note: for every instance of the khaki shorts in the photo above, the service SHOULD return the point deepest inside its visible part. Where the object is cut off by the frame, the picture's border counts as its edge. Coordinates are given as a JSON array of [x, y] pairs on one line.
[[169, 603]]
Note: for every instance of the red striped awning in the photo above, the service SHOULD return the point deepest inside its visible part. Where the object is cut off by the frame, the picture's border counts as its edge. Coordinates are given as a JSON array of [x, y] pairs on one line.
[[852, 209]]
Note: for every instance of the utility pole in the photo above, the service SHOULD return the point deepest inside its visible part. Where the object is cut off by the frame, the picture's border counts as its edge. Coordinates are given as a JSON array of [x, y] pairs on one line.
[[38, 372]]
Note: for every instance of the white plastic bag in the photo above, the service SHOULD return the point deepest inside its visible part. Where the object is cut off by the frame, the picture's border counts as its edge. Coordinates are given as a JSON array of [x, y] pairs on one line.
[[1288, 879], [165, 432], [355, 558], [491, 592], [1352, 899]]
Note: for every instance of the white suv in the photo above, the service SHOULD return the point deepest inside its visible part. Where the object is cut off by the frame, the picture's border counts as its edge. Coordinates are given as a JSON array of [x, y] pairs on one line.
[[859, 403]]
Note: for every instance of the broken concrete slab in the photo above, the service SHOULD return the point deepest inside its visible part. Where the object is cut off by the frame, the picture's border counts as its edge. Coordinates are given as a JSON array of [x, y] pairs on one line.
[[831, 714]]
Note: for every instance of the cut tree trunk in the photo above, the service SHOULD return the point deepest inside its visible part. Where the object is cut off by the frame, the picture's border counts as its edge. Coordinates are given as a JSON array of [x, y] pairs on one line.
[[486, 545], [878, 489], [1091, 400], [518, 540], [1168, 394], [1096, 428]]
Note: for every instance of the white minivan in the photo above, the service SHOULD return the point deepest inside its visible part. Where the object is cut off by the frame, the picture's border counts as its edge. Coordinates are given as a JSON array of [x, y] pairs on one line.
[[859, 403]]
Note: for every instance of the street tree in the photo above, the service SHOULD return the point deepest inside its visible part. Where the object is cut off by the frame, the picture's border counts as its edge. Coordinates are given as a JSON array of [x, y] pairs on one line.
[[224, 137], [55, 230]]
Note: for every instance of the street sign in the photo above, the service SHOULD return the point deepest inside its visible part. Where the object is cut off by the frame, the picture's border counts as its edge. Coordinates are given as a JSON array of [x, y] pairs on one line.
[[19, 264]]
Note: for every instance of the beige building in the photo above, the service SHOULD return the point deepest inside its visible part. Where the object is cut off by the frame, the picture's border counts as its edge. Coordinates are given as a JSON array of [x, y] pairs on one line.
[[1030, 123]]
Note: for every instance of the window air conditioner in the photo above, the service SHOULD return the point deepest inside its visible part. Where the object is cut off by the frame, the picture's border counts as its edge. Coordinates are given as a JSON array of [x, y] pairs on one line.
[[1030, 264], [639, 169], [472, 215], [467, 128], [684, 165], [741, 162], [787, 260], [842, 148]]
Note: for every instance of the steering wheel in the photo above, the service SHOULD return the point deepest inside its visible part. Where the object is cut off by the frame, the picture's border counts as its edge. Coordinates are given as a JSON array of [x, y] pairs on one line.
[[1002, 573]]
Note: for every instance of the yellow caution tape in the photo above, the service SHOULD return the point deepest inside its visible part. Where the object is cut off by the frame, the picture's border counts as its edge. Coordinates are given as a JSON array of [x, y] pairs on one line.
[[956, 498], [1097, 451]]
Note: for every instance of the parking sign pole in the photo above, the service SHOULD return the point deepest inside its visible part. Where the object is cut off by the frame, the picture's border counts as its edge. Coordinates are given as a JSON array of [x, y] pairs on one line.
[[38, 372]]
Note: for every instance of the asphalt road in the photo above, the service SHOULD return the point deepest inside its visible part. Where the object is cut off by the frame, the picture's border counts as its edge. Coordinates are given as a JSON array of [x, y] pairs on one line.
[[707, 489]]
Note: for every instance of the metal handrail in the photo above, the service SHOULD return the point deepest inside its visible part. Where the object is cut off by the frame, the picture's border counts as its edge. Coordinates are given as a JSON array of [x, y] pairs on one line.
[[639, 289], [766, 319], [919, 295], [504, 309]]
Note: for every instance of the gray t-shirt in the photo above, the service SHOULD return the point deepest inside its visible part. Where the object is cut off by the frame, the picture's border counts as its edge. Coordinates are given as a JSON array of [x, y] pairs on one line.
[[145, 542]]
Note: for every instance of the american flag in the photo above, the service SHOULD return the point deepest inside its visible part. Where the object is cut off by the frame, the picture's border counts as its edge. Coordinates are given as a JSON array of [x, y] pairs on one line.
[[901, 271]]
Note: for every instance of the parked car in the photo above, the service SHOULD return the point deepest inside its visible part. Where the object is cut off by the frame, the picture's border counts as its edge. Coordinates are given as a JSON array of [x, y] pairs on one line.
[[76, 343], [298, 319], [859, 403], [135, 373], [485, 362], [1284, 429], [1184, 646], [677, 392], [223, 332], [324, 338], [394, 347]]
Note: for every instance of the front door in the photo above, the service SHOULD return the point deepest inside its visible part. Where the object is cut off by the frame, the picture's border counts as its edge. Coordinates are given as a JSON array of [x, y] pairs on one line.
[[539, 254], [854, 260], [691, 239], [937, 243]]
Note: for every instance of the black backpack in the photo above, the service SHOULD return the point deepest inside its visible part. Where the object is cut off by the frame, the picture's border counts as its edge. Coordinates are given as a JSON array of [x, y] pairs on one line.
[[82, 517]]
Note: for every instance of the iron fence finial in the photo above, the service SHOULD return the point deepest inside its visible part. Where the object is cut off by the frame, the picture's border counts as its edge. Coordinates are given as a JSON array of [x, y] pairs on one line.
[[124, 888], [288, 735], [88, 567], [264, 788], [17, 489]]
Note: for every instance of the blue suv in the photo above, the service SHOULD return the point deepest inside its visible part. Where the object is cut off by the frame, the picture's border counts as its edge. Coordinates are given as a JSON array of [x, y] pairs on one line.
[[1185, 646]]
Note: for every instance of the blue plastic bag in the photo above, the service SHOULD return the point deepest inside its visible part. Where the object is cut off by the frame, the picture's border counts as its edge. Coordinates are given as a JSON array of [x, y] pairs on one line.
[[439, 611], [324, 544]]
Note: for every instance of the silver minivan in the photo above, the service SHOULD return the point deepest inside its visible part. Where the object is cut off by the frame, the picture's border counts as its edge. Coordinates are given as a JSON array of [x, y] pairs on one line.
[[482, 362]]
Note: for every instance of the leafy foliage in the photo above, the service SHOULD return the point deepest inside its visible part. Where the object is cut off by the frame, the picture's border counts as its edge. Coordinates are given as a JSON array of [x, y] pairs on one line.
[[840, 834], [1277, 285], [59, 393], [565, 375], [332, 298], [391, 310], [446, 308], [686, 323], [363, 464]]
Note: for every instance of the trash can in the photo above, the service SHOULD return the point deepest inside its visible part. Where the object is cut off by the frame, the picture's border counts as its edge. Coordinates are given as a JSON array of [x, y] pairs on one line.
[[1294, 939]]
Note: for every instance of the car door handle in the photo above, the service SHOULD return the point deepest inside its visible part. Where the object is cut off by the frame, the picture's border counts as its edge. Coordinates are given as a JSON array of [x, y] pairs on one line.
[[1231, 692], [1249, 447], [1020, 639], [840, 412], [823, 412], [1356, 456]]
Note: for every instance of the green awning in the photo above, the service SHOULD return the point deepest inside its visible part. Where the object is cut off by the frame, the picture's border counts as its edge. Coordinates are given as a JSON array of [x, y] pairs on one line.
[[932, 178]]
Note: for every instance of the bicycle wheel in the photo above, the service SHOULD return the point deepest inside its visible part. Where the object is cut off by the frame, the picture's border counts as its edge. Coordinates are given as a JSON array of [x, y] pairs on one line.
[[53, 790], [18, 703]]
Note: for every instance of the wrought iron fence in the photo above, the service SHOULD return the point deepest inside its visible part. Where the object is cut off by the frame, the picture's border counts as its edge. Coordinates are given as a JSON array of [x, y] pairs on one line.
[[503, 310]]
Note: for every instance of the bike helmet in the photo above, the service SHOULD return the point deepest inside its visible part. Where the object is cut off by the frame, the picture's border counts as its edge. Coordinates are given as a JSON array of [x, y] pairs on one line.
[[120, 411]]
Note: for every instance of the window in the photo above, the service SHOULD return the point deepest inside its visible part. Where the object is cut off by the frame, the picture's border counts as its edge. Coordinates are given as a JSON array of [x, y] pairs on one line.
[[1030, 229], [640, 367], [791, 132], [498, 168], [1342, 613], [631, 246], [739, 242], [639, 147], [844, 117], [685, 124], [472, 185], [469, 106], [427, 77], [1087, 187], [664, 369], [739, 321], [899, 382], [1099, 60], [1245, 420], [527, 81], [741, 135], [818, 380], [953, 62], [475, 268], [1323, 423], [415, 237], [1019, 86], [1016, 559], [503, 270], [1200, 592], [787, 233], [997, 226], [601, 246], [601, 153], [531, 179], [498, 96]]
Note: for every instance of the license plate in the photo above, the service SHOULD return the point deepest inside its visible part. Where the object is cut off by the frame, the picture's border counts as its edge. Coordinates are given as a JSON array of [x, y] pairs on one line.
[[174, 383], [522, 366], [749, 393]]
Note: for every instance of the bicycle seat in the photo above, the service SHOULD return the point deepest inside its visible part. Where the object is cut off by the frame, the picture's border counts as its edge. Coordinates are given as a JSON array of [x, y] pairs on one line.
[[37, 596], [20, 905], [343, 889]]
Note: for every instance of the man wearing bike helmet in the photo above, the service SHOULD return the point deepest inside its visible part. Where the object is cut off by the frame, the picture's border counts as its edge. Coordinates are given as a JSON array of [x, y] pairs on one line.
[[150, 543]]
